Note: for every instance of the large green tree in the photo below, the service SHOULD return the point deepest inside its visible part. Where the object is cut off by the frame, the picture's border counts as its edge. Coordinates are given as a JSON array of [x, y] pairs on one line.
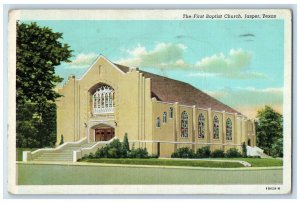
[[269, 131], [39, 51]]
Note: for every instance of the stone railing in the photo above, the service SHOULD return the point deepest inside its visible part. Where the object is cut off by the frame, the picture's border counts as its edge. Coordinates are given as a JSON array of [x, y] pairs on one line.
[[29, 156], [78, 154]]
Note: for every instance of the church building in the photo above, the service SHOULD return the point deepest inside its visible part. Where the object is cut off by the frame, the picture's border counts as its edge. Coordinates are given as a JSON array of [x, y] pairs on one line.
[[156, 112]]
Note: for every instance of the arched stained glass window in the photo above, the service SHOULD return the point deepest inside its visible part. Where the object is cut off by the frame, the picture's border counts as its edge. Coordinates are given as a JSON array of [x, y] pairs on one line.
[[103, 100], [158, 122], [171, 112], [184, 124], [228, 129], [164, 117], [216, 128], [201, 129]]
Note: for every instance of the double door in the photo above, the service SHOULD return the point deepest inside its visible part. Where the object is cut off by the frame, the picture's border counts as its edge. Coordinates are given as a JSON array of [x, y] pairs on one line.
[[104, 134]]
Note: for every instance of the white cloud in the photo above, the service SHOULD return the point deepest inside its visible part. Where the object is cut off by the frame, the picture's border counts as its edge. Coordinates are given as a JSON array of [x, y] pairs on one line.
[[250, 98], [163, 55], [234, 65], [83, 60], [234, 61], [265, 90], [202, 74]]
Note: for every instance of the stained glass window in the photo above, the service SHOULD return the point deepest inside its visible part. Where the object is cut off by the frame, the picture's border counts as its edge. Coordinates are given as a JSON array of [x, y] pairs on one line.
[[228, 129], [158, 122], [184, 124], [164, 117], [216, 128], [201, 126], [171, 112], [103, 100]]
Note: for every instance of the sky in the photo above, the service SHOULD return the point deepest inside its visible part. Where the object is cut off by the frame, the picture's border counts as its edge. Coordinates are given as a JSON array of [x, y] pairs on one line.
[[239, 62]]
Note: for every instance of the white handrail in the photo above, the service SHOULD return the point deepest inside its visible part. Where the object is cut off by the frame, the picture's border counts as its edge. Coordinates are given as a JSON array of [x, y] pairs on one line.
[[38, 152], [78, 154]]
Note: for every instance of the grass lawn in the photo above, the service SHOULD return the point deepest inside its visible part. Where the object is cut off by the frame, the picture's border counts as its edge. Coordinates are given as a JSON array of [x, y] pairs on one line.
[[20, 152], [167, 162], [257, 162], [47, 174]]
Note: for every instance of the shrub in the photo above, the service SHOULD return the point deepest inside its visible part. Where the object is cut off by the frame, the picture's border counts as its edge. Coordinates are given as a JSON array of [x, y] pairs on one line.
[[126, 142], [254, 157], [101, 152], [115, 149], [244, 150], [218, 153], [61, 139], [91, 155], [155, 156], [233, 153], [203, 152], [183, 152], [140, 153]]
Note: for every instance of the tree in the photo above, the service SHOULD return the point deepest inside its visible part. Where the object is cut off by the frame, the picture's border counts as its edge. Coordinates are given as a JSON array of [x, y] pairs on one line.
[[277, 148], [126, 143], [34, 131], [244, 150], [61, 139], [38, 51], [269, 129]]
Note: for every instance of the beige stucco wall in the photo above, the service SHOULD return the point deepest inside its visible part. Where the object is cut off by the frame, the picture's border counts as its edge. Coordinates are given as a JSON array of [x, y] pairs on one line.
[[136, 112], [133, 104]]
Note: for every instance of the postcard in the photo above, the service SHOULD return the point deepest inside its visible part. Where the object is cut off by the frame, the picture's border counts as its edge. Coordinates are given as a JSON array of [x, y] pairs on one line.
[[161, 101]]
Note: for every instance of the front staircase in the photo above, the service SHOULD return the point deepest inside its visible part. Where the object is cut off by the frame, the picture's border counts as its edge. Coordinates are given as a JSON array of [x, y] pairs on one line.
[[256, 151], [65, 155]]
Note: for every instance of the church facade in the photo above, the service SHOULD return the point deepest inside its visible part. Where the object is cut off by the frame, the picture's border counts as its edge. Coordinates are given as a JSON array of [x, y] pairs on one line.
[[159, 113]]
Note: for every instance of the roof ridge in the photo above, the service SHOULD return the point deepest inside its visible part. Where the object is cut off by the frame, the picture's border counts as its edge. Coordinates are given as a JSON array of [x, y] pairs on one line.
[[161, 92]]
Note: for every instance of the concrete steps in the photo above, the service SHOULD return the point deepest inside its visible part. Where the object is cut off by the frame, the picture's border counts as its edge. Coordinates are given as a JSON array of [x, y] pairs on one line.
[[256, 151], [65, 155]]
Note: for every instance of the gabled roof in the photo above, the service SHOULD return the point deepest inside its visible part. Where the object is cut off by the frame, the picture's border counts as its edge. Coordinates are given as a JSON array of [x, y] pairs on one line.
[[170, 90]]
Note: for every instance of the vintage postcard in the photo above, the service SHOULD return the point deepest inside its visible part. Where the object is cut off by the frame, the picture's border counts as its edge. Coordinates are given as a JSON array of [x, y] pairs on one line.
[[150, 101]]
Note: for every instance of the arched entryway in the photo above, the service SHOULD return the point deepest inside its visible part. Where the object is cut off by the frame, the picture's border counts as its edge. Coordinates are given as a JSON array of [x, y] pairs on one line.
[[102, 132]]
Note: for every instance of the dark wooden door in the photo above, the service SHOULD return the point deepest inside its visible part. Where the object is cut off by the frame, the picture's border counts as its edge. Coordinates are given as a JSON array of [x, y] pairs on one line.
[[104, 134]]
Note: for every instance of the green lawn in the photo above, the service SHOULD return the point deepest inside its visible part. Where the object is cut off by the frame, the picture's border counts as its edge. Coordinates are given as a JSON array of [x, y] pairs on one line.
[[257, 162], [47, 174], [20, 152], [167, 162]]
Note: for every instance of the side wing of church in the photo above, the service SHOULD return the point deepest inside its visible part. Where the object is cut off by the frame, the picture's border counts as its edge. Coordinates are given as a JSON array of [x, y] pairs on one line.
[[156, 112]]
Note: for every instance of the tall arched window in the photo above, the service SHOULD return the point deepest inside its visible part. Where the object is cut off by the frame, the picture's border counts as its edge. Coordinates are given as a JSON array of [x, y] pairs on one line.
[[158, 122], [164, 117], [171, 112], [228, 129], [103, 100], [201, 126], [184, 124], [216, 128]]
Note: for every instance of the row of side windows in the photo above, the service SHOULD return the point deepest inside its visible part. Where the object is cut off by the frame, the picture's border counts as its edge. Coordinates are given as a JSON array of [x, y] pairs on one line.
[[164, 120], [201, 125]]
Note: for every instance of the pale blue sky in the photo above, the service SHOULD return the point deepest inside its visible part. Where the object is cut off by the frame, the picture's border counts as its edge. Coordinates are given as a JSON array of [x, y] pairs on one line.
[[240, 62]]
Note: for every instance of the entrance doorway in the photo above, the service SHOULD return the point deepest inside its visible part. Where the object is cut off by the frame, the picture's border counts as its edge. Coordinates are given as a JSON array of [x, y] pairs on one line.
[[104, 134]]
